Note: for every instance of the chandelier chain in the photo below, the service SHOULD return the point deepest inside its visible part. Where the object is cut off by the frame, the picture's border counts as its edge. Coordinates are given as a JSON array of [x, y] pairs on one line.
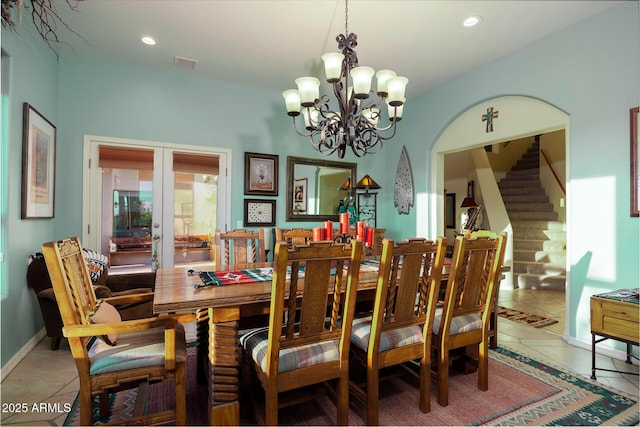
[[346, 18]]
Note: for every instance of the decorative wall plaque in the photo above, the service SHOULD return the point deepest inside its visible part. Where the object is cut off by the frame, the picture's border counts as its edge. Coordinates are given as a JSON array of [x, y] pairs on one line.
[[403, 191]]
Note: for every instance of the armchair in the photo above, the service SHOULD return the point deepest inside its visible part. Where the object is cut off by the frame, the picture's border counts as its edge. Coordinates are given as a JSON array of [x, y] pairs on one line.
[[107, 286], [111, 354]]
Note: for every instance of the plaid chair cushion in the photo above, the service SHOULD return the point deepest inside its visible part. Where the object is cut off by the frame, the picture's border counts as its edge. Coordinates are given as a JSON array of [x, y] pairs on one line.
[[255, 343], [134, 350], [393, 338], [464, 323]]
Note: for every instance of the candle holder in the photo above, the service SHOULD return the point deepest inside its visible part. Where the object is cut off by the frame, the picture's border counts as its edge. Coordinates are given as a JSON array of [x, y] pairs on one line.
[[340, 237]]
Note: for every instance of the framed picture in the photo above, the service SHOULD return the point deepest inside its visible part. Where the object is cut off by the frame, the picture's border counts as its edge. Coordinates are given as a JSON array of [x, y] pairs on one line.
[[299, 196], [635, 162], [258, 212], [450, 210], [38, 165], [261, 174]]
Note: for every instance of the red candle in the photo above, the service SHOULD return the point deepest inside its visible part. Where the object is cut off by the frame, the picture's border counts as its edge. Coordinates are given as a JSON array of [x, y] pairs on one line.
[[369, 239], [344, 222], [328, 230], [360, 230], [318, 234]]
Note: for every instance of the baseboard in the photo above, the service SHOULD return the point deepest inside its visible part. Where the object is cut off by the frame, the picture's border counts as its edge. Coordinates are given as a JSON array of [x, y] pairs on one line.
[[600, 349], [22, 353]]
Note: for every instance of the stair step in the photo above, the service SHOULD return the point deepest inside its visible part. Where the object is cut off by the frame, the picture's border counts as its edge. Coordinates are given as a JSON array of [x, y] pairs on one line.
[[547, 268], [529, 215], [539, 256], [528, 206], [522, 191], [524, 172], [539, 281], [526, 183], [539, 245], [540, 234], [523, 175], [530, 224], [525, 198]]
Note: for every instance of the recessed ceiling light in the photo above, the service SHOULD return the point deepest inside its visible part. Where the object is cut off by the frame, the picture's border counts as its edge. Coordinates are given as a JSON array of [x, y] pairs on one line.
[[471, 21], [148, 40]]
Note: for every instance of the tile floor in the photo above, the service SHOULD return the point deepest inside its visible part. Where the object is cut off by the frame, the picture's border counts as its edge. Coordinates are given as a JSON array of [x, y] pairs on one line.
[[49, 377]]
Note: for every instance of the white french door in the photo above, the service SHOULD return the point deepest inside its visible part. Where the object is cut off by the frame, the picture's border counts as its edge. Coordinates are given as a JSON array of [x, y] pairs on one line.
[[150, 205]]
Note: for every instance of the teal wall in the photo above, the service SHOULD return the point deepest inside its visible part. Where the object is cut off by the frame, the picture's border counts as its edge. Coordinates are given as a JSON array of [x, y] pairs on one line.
[[33, 78], [589, 70], [592, 72]]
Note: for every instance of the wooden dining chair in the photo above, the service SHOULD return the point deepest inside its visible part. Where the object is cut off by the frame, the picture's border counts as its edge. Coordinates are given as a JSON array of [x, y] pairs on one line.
[[399, 329], [294, 236], [463, 321], [239, 247], [112, 355], [302, 346]]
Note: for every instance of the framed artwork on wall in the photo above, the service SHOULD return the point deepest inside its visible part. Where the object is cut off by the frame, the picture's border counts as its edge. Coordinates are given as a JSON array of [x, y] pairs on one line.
[[259, 212], [450, 210], [261, 174], [300, 195], [38, 165], [635, 162]]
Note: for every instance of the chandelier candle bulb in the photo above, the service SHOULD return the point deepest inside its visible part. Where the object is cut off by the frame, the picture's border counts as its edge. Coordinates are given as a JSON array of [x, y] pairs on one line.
[[372, 114], [395, 113], [311, 118], [333, 66], [362, 81], [309, 88], [292, 101], [382, 76], [396, 86]]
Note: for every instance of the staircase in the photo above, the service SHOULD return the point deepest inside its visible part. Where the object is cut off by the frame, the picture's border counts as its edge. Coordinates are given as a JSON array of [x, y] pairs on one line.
[[539, 241]]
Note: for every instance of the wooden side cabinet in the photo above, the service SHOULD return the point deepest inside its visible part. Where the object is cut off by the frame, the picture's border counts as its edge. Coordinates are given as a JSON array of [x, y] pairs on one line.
[[614, 315]]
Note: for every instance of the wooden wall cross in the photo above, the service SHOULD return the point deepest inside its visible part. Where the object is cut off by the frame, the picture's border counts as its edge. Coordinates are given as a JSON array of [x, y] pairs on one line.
[[489, 119]]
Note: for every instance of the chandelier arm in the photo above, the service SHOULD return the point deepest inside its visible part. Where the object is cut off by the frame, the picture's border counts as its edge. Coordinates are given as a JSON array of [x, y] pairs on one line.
[[296, 128]]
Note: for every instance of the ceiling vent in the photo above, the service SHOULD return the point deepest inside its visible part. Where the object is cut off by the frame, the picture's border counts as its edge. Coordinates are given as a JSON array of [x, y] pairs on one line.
[[184, 62]]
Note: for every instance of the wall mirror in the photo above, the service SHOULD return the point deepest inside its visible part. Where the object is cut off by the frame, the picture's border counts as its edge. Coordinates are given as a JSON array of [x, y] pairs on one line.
[[312, 188]]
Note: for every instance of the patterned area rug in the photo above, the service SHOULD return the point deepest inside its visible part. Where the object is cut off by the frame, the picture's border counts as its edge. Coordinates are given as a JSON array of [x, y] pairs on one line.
[[522, 391], [526, 318]]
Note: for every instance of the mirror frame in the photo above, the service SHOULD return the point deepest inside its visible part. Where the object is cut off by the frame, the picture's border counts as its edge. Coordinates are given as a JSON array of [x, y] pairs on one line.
[[291, 162]]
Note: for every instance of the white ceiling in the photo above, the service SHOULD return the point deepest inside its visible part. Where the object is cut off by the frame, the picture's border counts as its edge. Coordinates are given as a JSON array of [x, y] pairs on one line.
[[269, 43]]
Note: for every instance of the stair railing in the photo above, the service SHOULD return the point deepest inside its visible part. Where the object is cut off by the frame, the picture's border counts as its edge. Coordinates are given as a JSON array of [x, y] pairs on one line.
[[555, 174]]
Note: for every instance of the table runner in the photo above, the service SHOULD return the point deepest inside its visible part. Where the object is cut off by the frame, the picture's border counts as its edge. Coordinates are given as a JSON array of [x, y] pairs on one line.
[[236, 277]]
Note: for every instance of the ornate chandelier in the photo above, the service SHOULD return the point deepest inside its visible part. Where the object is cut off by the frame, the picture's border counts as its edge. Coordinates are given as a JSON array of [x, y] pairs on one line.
[[356, 123]]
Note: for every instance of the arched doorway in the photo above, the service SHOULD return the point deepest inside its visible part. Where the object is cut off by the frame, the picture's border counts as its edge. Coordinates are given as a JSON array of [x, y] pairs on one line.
[[515, 117]]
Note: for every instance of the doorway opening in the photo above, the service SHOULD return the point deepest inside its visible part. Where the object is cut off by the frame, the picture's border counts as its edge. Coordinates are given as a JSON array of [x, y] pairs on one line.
[[467, 132]]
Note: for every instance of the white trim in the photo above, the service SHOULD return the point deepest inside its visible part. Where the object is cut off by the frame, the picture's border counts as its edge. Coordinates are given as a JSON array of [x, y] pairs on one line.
[[21, 354]]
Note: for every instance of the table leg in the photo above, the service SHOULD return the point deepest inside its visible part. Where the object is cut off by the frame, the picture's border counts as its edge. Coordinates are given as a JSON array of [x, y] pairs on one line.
[[224, 366]]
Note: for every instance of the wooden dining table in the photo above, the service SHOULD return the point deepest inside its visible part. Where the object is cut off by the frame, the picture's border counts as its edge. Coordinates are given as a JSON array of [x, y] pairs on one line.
[[178, 290]]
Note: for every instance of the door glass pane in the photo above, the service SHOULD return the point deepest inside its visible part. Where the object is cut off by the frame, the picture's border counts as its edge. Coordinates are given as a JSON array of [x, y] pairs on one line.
[[127, 202], [195, 219]]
